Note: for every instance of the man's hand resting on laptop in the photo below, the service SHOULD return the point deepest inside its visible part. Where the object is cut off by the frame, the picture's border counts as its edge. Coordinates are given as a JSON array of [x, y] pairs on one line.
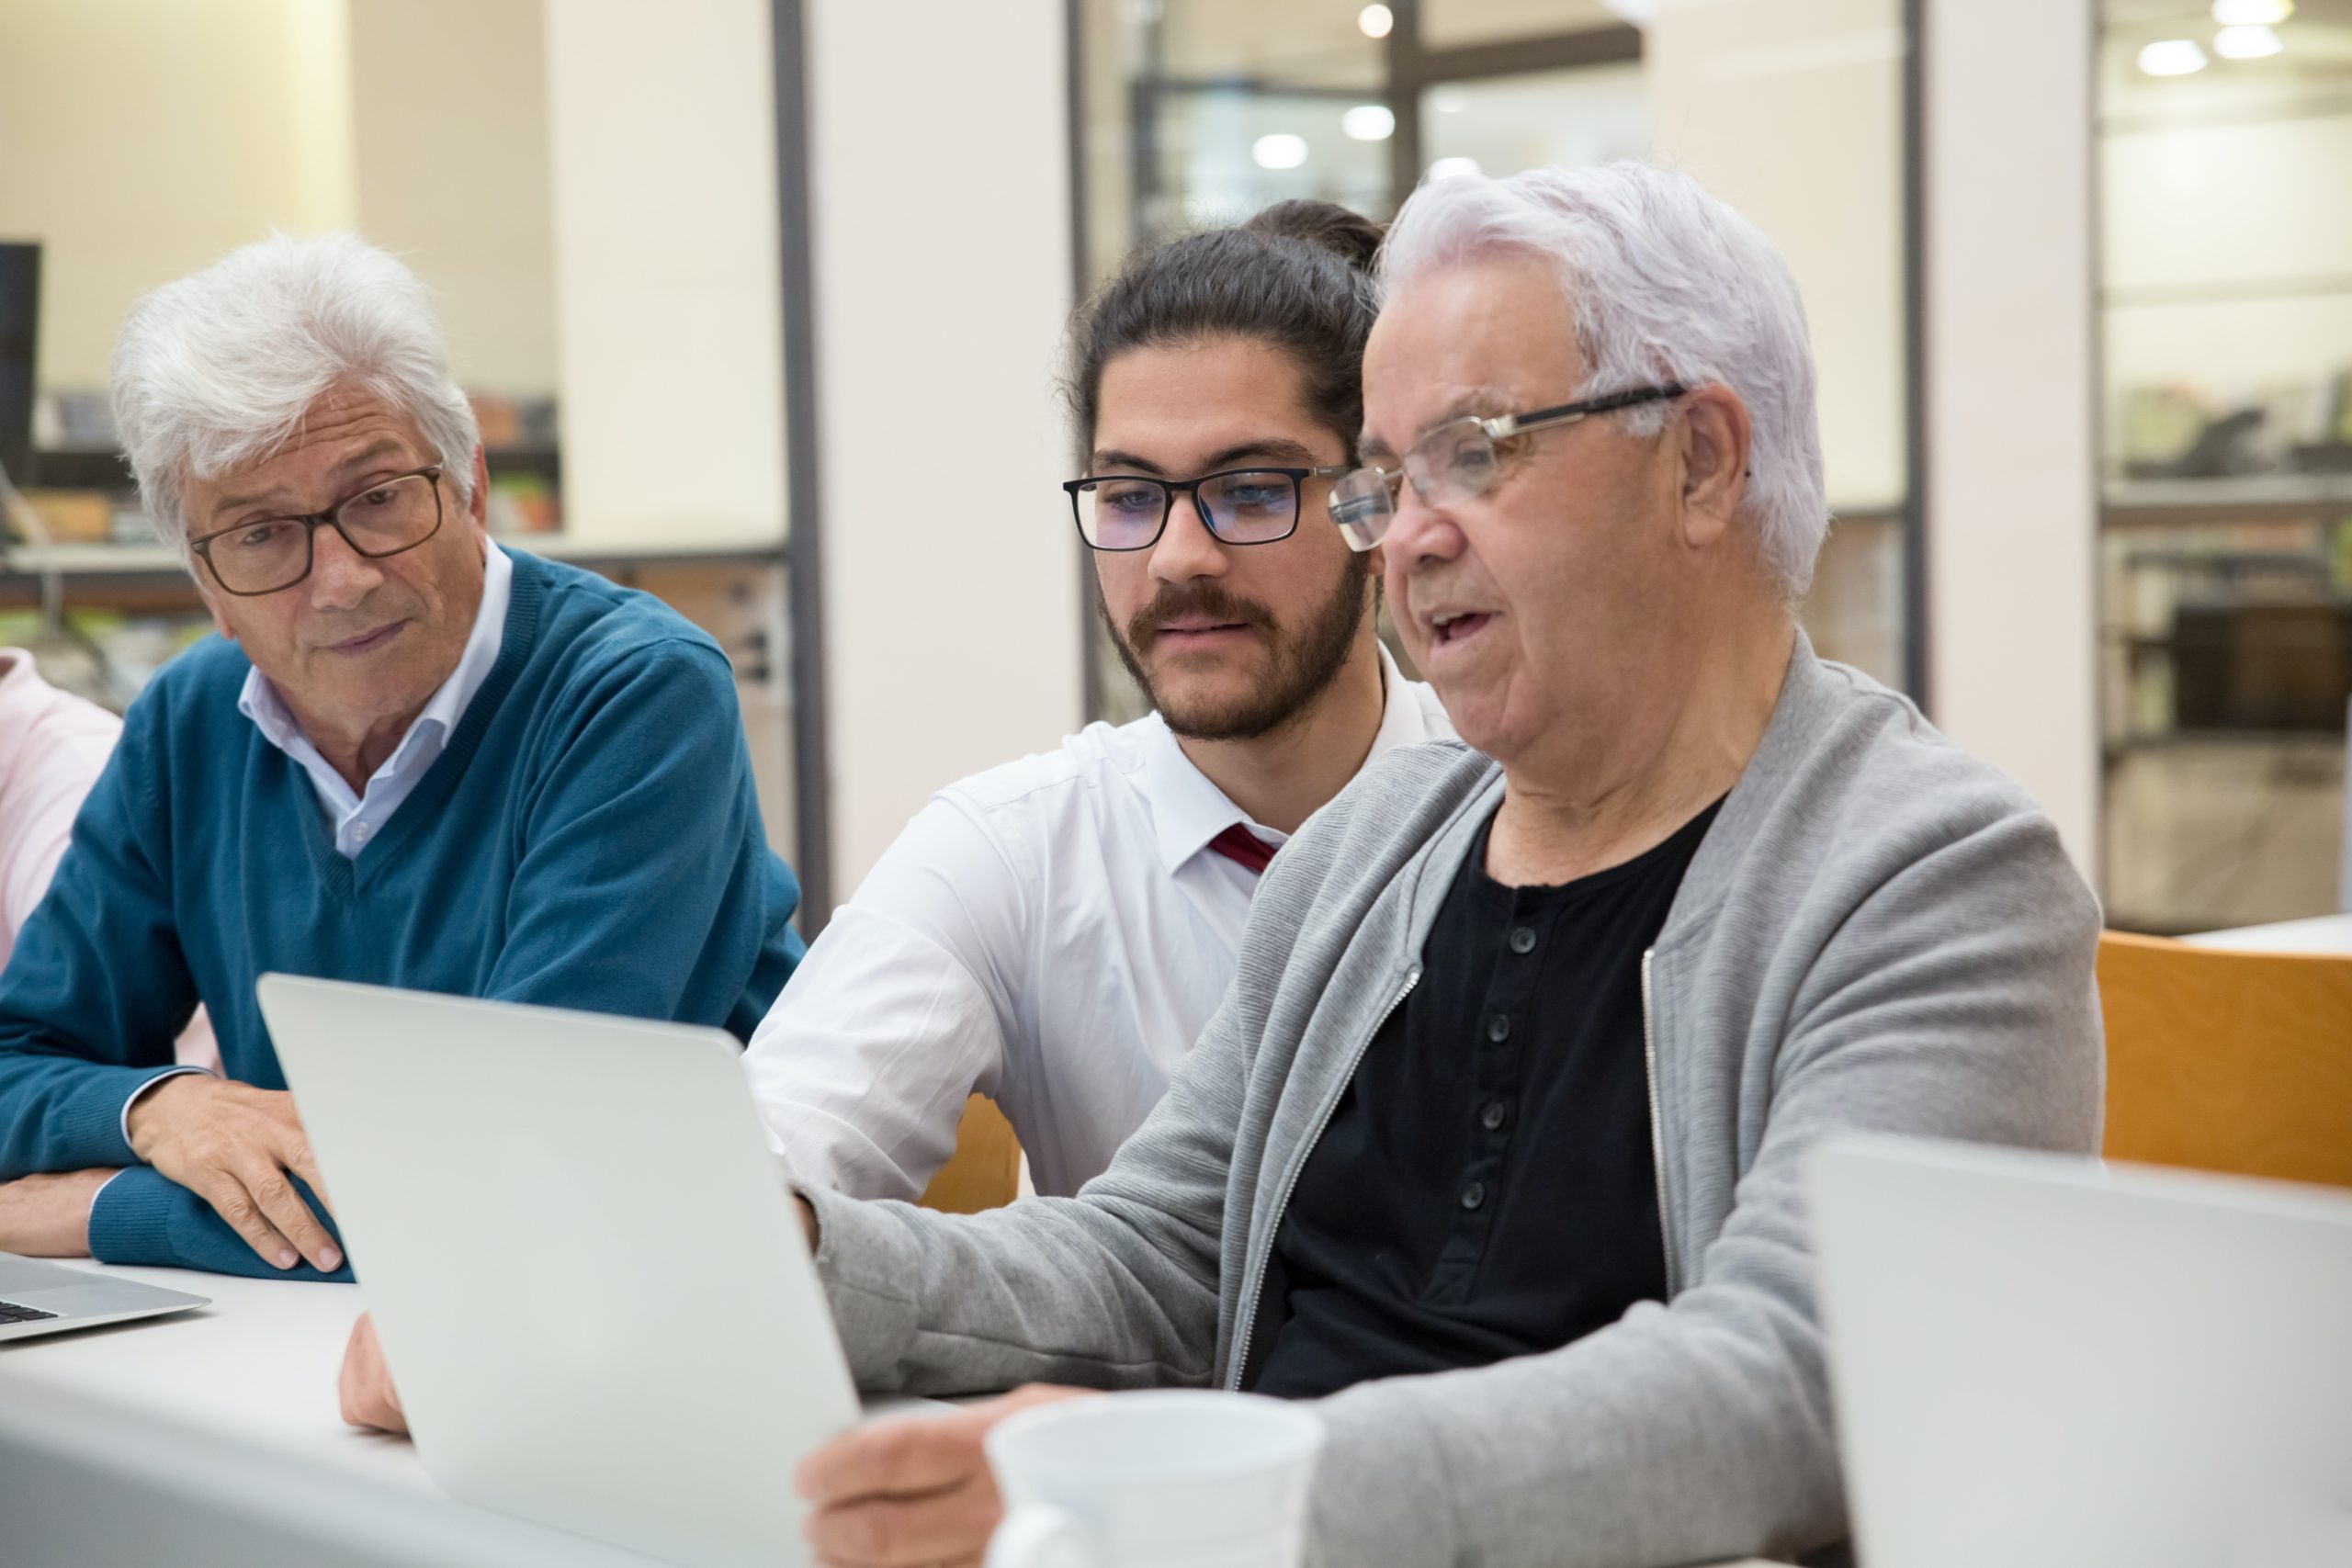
[[233, 1145], [48, 1215], [905, 1491], [364, 1384]]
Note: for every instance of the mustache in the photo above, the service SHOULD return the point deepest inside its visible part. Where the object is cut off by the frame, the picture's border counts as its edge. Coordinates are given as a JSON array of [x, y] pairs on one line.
[[1203, 598]]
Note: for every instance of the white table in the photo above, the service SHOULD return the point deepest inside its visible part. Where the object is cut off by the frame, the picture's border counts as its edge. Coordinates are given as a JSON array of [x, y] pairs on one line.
[[211, 1440], [2327, 933]]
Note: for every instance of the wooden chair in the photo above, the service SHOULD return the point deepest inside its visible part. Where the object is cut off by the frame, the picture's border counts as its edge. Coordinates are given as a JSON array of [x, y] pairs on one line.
[[985, 1170], [2229, 1061]]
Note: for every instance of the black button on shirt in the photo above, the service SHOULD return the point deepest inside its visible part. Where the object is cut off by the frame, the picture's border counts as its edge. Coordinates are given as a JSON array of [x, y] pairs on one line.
[[1484, 1188]]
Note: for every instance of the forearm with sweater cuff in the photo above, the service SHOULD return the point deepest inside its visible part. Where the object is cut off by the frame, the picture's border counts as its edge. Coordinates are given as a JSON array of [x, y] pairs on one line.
[[144, 1217], [1050, 1290], [74, 1114]]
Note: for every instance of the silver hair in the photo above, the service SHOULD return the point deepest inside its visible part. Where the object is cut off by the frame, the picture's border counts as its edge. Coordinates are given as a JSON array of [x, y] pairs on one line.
[[219, 368], [1665, 281]]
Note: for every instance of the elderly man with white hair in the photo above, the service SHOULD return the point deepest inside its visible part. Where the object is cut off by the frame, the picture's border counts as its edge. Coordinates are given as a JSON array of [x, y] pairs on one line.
[[1494, 1147], [409, 758]]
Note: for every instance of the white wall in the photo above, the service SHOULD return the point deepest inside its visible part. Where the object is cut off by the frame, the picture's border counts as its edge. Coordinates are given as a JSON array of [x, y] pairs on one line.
[[940, 231], [140, 139], [2012, 486], [663, 153], [450, 148], [1792, 111]]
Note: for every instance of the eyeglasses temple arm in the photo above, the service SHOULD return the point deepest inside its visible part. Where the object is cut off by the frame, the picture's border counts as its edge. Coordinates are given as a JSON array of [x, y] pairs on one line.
[[1518, 424]]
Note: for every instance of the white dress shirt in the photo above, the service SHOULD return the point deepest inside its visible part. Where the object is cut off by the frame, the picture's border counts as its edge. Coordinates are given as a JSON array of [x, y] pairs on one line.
[[357, 819], [1053, 933]]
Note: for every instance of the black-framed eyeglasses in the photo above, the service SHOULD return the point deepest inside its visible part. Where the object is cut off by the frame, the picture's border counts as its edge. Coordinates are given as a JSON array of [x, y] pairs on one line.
[[269, 555], [1240, 506], [1456, 460]]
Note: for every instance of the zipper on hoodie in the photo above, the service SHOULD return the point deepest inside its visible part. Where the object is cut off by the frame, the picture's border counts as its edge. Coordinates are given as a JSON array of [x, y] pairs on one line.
[[1255, 1285], [1657, 1123]]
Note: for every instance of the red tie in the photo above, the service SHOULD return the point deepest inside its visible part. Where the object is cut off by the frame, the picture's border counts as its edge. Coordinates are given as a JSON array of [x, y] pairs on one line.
[[1244, 847]]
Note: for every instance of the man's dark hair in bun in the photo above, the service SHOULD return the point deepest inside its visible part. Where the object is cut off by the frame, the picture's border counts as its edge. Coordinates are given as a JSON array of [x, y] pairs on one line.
[[1297, 275]]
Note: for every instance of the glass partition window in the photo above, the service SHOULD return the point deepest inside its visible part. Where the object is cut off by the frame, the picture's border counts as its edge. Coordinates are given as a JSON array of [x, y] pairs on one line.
[[1221, 152], [2226, 539], [1591, 115], [1448, 24]]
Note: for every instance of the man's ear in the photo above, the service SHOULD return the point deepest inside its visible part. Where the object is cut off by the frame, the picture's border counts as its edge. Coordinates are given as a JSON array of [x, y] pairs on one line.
[[1716, 441], [479, 505]]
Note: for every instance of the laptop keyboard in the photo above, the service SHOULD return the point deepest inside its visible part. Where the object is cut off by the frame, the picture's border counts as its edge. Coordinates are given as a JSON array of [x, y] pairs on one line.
[[11, 1313]]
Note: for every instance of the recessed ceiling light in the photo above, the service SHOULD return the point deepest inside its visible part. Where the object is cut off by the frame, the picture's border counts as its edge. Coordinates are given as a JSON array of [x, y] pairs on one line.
[[1369, 122], [2246, 43], [2252, 12], [1279, 151], [1374, 21], [1456, 169], [2172, 57]]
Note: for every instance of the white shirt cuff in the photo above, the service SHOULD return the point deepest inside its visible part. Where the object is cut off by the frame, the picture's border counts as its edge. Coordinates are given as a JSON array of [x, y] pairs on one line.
[[143, 1088]]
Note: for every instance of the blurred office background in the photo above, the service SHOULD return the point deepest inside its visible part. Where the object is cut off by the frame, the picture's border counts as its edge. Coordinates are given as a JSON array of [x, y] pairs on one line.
[[744, 289]]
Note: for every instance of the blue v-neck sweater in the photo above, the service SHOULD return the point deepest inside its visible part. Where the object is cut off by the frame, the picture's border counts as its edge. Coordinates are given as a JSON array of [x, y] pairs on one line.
[[589, 837]]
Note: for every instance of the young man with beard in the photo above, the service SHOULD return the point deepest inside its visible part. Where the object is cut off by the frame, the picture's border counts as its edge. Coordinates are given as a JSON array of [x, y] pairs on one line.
[[1056, 933]]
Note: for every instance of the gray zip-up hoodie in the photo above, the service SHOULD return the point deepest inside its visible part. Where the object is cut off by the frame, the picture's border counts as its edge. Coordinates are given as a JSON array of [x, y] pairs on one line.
[[1879, 932]]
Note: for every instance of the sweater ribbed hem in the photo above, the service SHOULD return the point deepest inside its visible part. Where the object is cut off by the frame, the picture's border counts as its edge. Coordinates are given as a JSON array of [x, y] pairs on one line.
[[143, 1217], [132, 1221]]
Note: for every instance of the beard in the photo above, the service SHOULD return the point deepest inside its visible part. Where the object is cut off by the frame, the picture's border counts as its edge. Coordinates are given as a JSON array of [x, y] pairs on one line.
[[1305, 662]]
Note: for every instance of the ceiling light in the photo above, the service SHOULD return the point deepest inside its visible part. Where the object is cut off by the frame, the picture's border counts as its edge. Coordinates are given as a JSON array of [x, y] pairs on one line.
[[1369, 122], [1449, 100], [1456, 169], [2252, 12], [1374, 21], [2246, 43], [2172, 57], [1279, 151]]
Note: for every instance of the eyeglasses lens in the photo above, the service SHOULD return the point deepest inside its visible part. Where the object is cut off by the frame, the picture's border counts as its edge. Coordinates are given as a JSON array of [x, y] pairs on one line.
[[1452, 462], [1250, 508], [1121, 514], [1361, 506]]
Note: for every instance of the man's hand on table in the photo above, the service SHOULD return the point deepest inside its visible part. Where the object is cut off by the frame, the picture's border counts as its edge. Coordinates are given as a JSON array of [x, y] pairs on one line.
[[908, 1490], [232, 1145], [365, 1385], [48, 1215]]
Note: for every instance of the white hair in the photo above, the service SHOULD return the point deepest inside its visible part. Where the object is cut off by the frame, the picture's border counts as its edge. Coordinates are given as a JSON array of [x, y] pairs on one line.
[[219, 368], [1665, 281]]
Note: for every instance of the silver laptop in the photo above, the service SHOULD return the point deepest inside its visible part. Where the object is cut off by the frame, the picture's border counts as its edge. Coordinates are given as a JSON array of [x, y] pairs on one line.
[[48, 1298], [589, 1279], [2044, 1362]]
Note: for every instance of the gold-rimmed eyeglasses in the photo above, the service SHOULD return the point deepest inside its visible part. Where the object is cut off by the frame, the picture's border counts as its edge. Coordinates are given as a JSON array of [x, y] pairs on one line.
[[1455, 460]]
